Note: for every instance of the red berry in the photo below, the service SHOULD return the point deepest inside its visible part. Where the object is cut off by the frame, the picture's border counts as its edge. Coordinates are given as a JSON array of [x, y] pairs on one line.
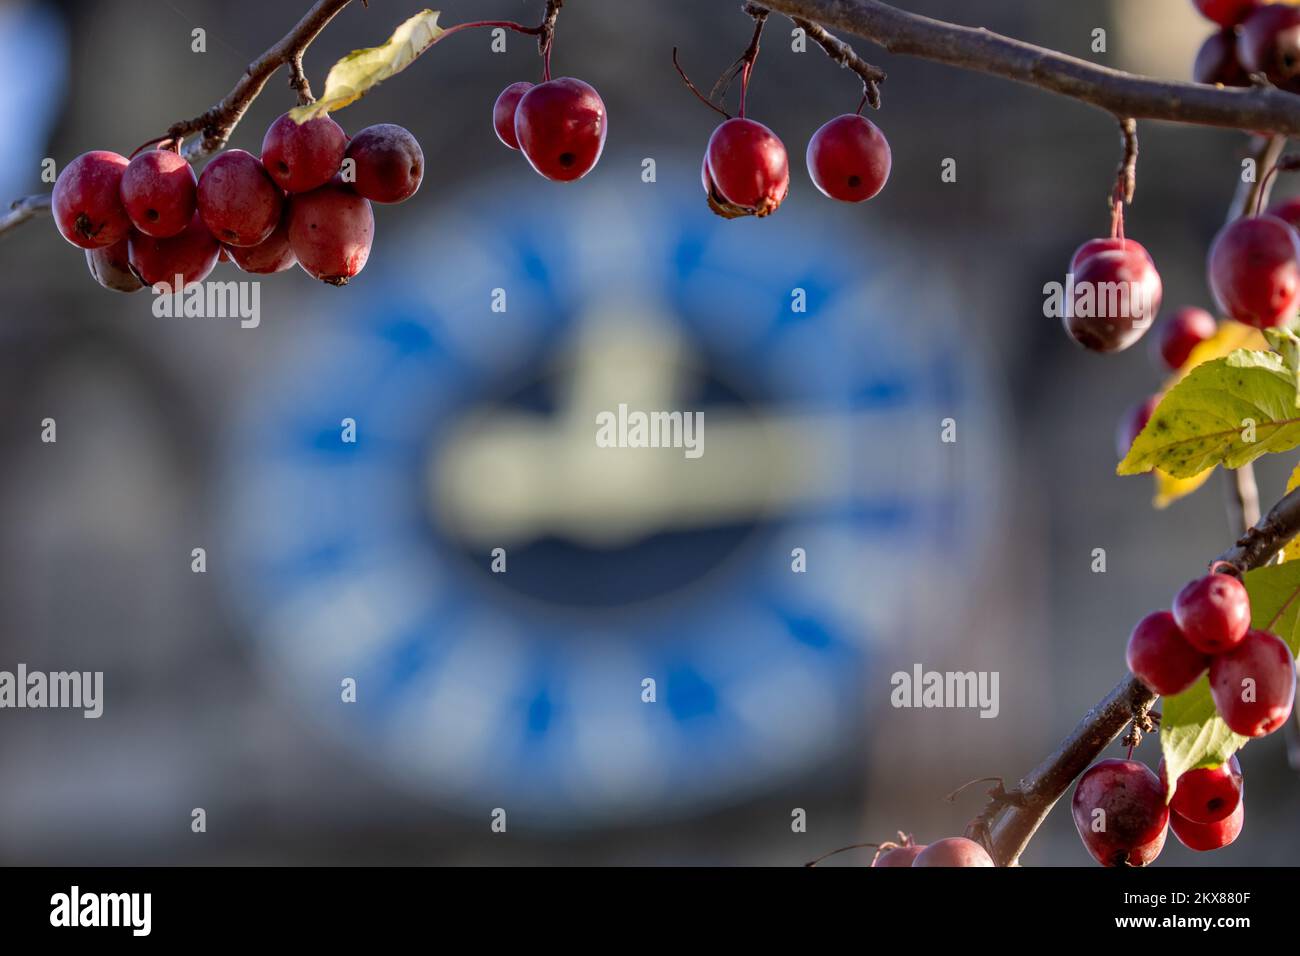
[[954, 851], [330, 231], [1208, 836], [272, 254], [159, 192], [1216, 61], [1208, 794], [899, 856], [1107, 244], [503, 112], [111, 268], [1182, 332], [746, 171], [87, 203], [560, 126], [191, 254], [1120, 813], [849, 158], [1269, 43], [237, 200], [1132, 423], [1288, 210], [1160, 656], [1226, 13], [302, 157], [1117, 294], [389, 163], [1254, 270], [1253, 685], [1213, 612]]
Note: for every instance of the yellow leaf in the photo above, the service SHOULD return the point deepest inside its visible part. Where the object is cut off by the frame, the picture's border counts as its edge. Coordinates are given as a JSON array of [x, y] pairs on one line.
[[1169, 489], [1292, 549], [362, 70]]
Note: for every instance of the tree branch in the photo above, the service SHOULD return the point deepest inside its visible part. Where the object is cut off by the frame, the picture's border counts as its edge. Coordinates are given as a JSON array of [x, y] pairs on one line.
[[1123, 94], [20, 210]]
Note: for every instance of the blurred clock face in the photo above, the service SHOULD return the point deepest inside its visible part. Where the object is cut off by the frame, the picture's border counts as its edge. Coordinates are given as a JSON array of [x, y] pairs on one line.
[[584, 634]]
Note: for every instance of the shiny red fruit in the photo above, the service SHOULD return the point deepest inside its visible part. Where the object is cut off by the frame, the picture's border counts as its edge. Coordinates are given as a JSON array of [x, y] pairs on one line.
[[746, 170], [110, 266], [1116, 297], [87, 202], [560, 126], [899, 856], [1160, 657], [1268, 42], [1253, 685], [1208, 794], [239, 203], [1120, 813], [1208, 836], [300, 157], [1288, 210], [954, 851], [192, 254], [1226, 13], [389, 163], [330, 231], [159, 191], [273, 254], [1213, 612], [503, 112], [1106, 244], [1254, 270], [849, 158], [1182, 332]]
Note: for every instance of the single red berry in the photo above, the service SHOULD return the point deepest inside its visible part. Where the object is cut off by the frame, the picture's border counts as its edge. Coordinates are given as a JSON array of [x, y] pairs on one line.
[[1120, 813], [954, 851], [899, 856], [1213, 612], [1253, 685], [1182, 332], [1208, 836], [1226, 13], [1269, 43], [560, 126], [1207, 794], [503, 112], [159, 191], [1106, 244], [389, 163], [1160, 657], [1288, 210], [87, 202], [1116, 297], [239, 203], [191, 254], [849, 158], [1132, 423], [746, 170], [111, 267], [273, 254], [330, 231], [1254, 270], [301, 157], [1216, 61]]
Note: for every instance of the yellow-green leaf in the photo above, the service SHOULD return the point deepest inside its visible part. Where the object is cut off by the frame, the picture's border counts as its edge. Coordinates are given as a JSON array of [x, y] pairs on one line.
[[1169, 489], [362, 70], [1291, 550], [1228, 411]]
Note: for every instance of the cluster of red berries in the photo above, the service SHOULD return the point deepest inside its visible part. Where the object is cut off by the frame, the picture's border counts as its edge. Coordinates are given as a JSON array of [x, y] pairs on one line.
[[746, 171], [953, 851], [558, 125], [1099, 264], [1254, 38], [145, 221]]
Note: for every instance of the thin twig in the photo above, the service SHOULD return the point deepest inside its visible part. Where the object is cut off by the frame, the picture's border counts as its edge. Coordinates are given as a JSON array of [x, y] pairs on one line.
[[1126, 176], [21, 210], [844, 55]]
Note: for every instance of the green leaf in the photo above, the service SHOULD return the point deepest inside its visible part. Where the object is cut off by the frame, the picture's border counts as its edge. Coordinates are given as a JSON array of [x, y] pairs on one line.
[[1286, 344], [362, 70], [1208, 417], [1191, 733]]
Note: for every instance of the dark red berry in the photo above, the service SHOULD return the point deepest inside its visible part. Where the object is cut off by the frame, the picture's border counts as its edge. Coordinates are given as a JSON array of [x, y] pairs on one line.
[[849, 158], [1160, 657], [746, 170], [1213, 612], [110, 266], [1132, 423], [1182, 332], [389, 163], [1216, 61], [1106, 244], [159, 191], [1253, 685], [560, 126], [954, 851], [237, 200], [272, 254], [330, 231], [1117, 294], [1288, 210], [1120, 813], [1269, 43], [301, 157], [1226, 13], [899, 856], [503, 112], [1254, 270], [1208, 794], [87, 203], [192, 254], [1208, 836]]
